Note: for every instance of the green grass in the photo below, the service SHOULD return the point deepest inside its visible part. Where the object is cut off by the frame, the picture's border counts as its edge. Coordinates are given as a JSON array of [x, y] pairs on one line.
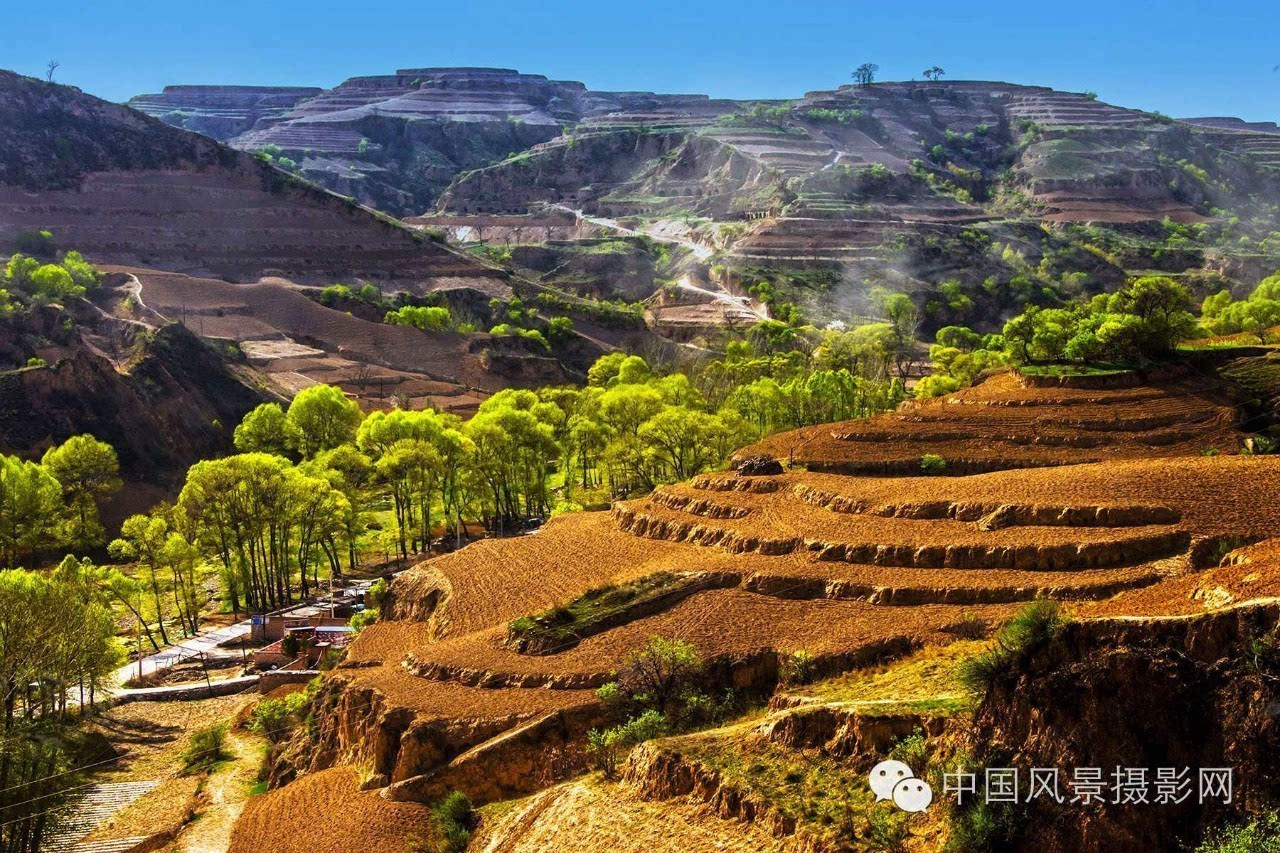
[[564, 625], [1031, 629], [1074, 369], [826, 796]]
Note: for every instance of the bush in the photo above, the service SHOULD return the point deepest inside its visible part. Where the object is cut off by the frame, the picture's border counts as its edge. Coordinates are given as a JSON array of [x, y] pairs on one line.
[[363, 619], [1034, 627], [207, 747], [271, 719], [797, 668], [912, 750], [932, 464], [377, 595], [984, 827], [454, 819], [607, 747], [1261, 835], [290, 646]]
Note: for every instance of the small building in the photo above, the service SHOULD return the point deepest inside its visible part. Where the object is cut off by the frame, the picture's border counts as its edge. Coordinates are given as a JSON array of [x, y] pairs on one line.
[[313, 642]]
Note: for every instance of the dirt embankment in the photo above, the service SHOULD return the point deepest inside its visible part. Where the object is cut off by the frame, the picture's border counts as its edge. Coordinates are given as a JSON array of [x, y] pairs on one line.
[[1142, 693]]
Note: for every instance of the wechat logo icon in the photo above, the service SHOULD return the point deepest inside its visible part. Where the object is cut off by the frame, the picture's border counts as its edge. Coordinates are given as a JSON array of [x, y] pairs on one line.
[[894, 780]]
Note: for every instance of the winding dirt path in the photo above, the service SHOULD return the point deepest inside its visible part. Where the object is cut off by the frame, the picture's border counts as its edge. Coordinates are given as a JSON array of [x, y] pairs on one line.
[[225, 794]]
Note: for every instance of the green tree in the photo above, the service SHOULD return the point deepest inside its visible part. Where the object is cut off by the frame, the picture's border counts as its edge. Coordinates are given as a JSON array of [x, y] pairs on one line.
[[324, 418], [54, 283], [30, 504], [266, 429], [89, 473]]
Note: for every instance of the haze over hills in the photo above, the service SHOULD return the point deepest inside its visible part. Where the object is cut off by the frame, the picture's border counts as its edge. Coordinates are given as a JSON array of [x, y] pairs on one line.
[[903, 186]]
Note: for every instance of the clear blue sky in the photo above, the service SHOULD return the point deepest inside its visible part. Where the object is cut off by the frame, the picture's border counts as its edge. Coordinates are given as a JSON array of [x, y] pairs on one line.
[[1182, 57]]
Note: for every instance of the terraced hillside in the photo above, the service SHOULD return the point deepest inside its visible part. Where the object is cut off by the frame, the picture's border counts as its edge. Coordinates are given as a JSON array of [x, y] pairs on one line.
[[1100, 498], [124, 188], [396, 140], [908, 185]]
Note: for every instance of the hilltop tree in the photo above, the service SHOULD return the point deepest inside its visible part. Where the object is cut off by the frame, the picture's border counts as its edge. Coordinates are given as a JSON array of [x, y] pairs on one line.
[[935, 73], [88, 471], [865, 74]]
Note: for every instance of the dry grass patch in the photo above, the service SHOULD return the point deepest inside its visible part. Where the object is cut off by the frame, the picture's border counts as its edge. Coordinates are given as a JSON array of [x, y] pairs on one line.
[[925, 683]]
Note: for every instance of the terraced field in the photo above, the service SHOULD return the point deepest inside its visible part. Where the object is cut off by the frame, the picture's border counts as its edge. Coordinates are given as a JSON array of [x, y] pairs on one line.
[[1009, 422], [1099, 497], [298, 342]]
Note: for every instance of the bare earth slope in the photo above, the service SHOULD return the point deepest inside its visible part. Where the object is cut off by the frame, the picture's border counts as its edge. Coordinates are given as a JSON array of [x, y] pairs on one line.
[[123, 187], [854, 569]]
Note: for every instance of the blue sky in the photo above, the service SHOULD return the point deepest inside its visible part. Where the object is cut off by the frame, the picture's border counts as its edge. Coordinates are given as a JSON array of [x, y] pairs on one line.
[[1182, 57]]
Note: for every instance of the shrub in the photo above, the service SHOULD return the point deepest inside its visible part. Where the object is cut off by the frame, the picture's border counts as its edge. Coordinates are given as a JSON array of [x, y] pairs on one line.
[[376, 597], [912, 750], [1261, 835], [607, 747], [271, 720], [363, 619], [38, 243], [983, 827], [932, 464], [454, 819], [797, 668], [1034, 627], [290, 646], [660, 673], [559, 329], [207, 747]]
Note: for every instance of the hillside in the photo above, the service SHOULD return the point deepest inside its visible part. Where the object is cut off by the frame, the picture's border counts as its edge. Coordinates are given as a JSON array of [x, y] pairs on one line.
[[1115, 515], [197, 233], [971, 196], [124, 188], [395, 141]]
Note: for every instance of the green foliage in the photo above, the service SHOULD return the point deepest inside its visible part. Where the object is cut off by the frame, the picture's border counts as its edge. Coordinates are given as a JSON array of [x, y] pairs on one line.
[[931, 464], [559, 329], [510, 331], [30, 499], [1255, 315], [560, 627], [799, 667], [1032, 628], [38, 243], [363, 619], [376, 597], [454, 819], [276, 719], [266, 429], [982, 827], [89, 473], [607, 747], [206, 748], [428, 319], [323, 418], [1260, 835]]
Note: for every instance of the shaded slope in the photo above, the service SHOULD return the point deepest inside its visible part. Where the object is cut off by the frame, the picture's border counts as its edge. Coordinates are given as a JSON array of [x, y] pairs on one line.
[[123, 187]]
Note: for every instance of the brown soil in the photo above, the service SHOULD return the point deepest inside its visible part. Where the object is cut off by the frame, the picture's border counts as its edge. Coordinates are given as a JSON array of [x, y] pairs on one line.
[[592, 815], [856, 570], [1008, 422], [326, 812]]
